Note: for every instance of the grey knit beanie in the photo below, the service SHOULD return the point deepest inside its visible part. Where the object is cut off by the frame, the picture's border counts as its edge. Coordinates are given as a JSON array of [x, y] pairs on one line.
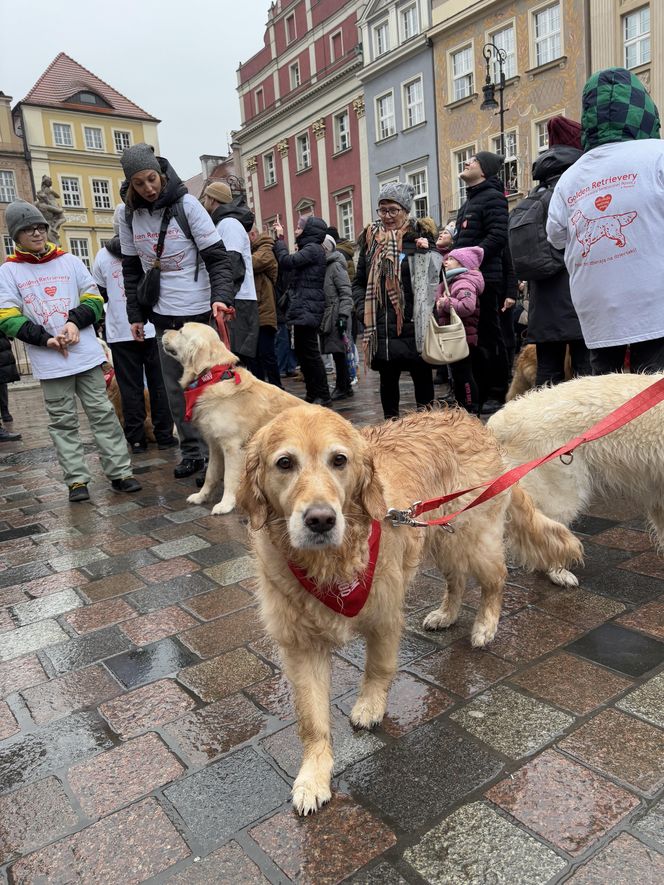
[[20, 215], [138, 158], [398, 192]]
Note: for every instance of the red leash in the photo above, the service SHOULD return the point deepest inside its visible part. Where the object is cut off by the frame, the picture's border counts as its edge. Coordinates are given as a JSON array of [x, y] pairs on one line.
[[630, 410], [222, 329]]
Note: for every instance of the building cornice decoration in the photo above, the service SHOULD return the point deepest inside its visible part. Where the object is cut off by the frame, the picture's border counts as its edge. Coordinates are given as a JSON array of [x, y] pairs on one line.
[[359, 106], [252, 164], [282, 147], [319, 127]]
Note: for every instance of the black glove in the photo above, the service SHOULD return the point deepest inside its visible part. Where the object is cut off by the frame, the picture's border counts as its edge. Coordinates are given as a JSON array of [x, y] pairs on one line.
[[342, 324]]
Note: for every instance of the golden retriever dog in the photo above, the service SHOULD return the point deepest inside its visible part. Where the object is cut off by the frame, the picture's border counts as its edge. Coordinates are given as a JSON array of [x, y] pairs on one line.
[[226, 414], [313, 487], [628, 463], [525, 371], [113, 393]]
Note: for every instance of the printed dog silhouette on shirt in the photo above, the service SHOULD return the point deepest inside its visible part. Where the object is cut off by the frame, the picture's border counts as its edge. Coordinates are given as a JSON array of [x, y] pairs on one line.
[[590, 230]]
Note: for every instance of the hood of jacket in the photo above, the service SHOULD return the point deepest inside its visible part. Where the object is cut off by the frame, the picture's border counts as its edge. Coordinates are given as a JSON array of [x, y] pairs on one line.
[[114, 247], [262, 240], [552, 163], [336, 258], [469, 256], [472, 277], [237, 209], [347, 248], [314, 231], [616, 107], [494, 183]]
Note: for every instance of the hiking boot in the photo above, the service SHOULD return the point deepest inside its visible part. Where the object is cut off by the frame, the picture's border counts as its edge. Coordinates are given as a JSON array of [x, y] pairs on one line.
[[128, 484], [78, 491], [138, 448], [8, 436], [187, 467], [342, 394], [319, 401]]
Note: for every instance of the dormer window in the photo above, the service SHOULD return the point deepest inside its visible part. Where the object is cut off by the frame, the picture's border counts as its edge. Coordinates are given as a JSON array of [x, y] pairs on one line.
[[89, 98]]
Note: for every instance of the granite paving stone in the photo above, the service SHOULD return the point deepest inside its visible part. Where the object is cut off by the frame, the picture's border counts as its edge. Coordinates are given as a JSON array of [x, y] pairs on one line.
[[476, 845], [101, 614], [151, 662], [175, 590], [180, 547], [20, 673], [620, 649], [649, 564], [573, 683], [529, 634], [651, 825], [623, 539], [233, 570], [622, 747], [115, 585], [121, 775], [647, 701], [228, 864], [23, 573], [145, 629], [219, 601], [77, 559], [563, 801], [188, 514], [219, 552], [75, 691], [327, 848], [649, 618], [225, 633], [34, 637], [8, 725], [11, 595], [577, 606], [166, 569], [113, 565], [85, 650], [127, 544], [462, 669], [436, 768], [410, 649], [625, 584], [32, 816], [510, 722], [379, 874], [129, 846], [622, 862], [147, 707], [52, 583], [227, 796], [441, 638], [30, 757], [207, 733], [46, 607], [224, 675]]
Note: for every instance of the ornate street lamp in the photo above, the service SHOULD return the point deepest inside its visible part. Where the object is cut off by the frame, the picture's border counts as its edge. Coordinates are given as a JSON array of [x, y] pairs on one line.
[[489, 89]]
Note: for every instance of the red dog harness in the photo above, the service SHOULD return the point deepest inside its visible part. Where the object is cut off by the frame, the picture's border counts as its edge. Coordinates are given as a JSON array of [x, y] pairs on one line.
[[345, 598], [200, 385]]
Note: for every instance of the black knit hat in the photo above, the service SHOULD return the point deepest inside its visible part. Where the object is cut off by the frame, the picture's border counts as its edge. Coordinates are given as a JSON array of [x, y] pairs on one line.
[[490, 164]]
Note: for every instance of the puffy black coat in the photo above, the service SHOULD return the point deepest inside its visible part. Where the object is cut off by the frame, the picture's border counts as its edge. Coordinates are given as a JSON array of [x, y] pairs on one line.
[[391, 346], [551, 315], [482, 221], [8, 370], [306, 304]]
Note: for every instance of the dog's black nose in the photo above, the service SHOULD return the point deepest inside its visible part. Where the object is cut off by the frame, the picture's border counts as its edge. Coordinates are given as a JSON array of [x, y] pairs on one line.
[[320, 519]]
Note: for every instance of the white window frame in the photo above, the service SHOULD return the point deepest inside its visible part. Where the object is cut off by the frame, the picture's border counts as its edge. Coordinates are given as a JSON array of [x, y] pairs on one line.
[[341, 132], [272, 177], [510, 64], [94, 130], [551, 40], [333, 55], [411, 115], [640, 39], [463, 77], [345, 219], [80, 247], [380, 35], [121, 132], [99, 197], [7, 185], [290, 38], [457, 163], [383, 132], [54, 126], [294, 75], [8, 245], [303, 151], [511, 165], [406, 12], [68, 192], [420, 207]]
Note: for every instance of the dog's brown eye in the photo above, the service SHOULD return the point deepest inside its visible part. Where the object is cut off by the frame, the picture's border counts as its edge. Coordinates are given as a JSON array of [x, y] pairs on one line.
[[284, 463], [339, 460]]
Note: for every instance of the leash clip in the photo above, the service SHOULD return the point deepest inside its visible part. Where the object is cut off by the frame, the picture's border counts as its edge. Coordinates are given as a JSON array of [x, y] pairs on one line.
[[564, 455], [405, 517]]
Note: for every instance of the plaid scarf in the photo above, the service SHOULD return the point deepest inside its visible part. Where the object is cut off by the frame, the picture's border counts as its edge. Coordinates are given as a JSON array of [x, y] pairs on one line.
[[384, 249]]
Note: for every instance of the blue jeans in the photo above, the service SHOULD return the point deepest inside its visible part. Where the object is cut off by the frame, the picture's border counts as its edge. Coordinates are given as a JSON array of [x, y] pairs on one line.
[[285, 354]]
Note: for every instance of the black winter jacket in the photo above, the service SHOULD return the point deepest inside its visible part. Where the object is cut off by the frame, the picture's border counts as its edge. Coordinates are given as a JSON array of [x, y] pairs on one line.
[[8, 370], [482, 221], [307, 295], [551, 315], [390, 345]]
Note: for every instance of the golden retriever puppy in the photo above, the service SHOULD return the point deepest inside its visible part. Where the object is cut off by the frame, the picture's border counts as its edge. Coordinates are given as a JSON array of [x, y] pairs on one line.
[[316, 489], [228, 412]]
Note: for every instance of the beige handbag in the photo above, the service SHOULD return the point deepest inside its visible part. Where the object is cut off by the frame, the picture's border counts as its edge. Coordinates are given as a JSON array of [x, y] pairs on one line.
[[445, 344]]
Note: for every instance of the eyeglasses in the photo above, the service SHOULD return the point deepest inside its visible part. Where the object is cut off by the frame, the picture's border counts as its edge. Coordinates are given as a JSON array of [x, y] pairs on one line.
[[392, 212], [35, 229]]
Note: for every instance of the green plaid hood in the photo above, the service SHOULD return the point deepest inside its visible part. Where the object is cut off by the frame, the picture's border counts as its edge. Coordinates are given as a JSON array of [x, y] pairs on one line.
[[616, 107]]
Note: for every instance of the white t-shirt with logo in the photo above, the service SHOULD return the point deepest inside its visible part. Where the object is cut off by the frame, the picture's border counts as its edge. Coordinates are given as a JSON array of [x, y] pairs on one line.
[[180, 294], [607, 213], [45, 293], [236, 239], [107, 272]]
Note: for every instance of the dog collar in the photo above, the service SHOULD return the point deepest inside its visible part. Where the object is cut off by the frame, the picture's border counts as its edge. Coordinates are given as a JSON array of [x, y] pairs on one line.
[[346, 598], [200, 384]]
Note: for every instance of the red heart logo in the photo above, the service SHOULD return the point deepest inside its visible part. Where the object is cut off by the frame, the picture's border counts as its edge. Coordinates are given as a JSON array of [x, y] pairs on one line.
[[51, 290], [602, 203]]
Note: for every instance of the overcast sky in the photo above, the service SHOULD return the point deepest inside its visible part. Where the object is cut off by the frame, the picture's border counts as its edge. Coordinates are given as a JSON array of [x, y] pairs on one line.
[[177, 59]]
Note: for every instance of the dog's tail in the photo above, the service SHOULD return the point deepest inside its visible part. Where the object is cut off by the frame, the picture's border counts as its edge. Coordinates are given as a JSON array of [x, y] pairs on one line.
[[537, 542]]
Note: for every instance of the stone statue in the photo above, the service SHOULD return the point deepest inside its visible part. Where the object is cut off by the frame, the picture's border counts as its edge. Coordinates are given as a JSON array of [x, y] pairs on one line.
[[50, 208]]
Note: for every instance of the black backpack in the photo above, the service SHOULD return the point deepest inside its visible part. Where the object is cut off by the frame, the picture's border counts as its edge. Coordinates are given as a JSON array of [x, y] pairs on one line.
[[533, 256]]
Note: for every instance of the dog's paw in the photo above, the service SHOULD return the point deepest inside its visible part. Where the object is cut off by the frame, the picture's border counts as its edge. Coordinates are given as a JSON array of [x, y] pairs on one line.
[[439, 620], [367, 713], [196, 498], [309, 796], [226, 505], [483, 633], [561, 577]]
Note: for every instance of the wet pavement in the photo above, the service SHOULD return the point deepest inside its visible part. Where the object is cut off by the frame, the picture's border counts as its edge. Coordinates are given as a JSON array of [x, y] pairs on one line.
[[147, 732]]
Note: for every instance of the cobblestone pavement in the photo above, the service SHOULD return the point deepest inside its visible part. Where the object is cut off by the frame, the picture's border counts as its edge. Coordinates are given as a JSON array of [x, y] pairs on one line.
[[147, 734]]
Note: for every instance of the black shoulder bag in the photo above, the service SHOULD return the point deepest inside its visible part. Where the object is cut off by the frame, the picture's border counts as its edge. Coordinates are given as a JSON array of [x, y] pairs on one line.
[[147, 291]]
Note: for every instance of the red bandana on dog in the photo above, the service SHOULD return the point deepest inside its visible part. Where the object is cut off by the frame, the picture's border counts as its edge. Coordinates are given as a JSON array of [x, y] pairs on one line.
[[199, 386], [345, 598]]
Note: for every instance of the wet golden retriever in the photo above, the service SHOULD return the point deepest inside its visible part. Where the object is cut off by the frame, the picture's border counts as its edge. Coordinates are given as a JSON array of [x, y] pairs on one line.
[[226, 414], [313, 486]]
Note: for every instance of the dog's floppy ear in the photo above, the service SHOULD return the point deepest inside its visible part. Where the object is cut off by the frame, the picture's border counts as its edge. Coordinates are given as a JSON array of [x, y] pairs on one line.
[[250, 496], [371, 497], [201, 355]]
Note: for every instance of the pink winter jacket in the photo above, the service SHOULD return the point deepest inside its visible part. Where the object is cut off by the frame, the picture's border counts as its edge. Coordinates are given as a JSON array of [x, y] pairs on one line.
[[465, 287]]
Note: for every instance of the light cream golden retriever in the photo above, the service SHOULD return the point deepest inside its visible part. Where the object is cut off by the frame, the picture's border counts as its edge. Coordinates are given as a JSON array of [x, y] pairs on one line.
[[312, 487], [226, 414]]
